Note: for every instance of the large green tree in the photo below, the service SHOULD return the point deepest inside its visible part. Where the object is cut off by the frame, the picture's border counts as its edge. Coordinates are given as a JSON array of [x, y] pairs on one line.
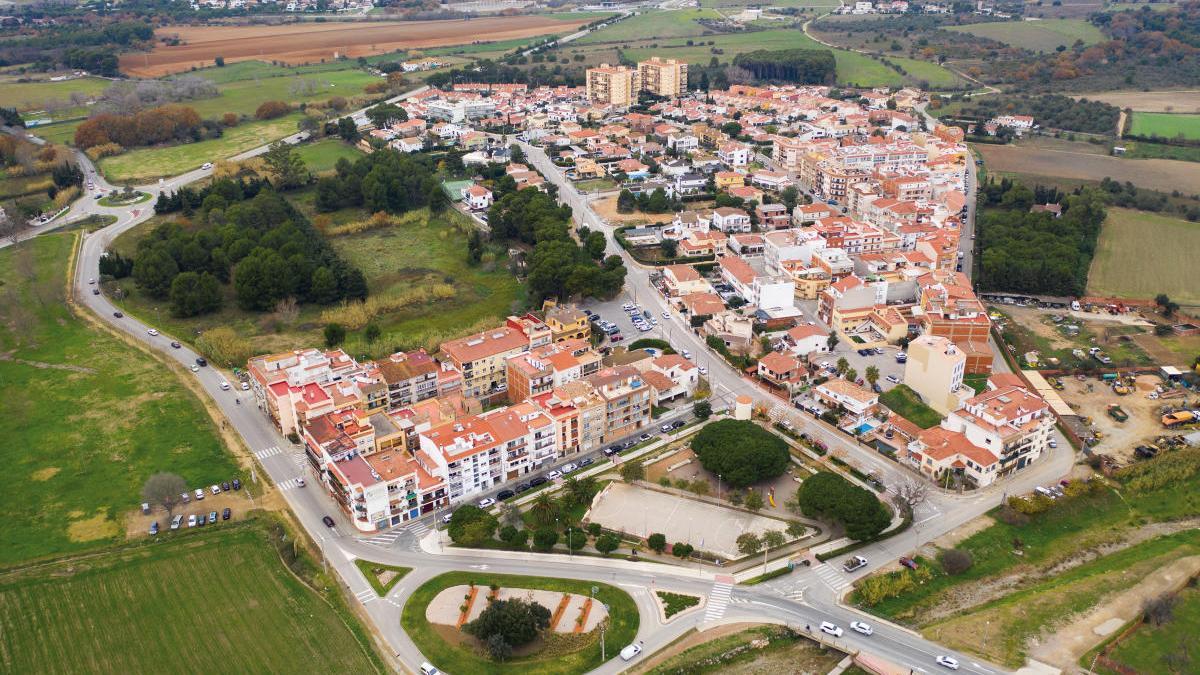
[[154, 269], [829, 496], [287, 167], [195, 293], [742, 452], [472, 526], [516, 621]]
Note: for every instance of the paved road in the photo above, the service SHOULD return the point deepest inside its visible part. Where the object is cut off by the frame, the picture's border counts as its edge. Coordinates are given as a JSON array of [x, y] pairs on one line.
[[806, 597]]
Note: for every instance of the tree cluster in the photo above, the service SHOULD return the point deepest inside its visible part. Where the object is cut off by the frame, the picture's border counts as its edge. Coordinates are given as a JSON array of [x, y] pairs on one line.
[[155, 125], [505, 624], [385, 180], [827, 495], [1024, 252], [472, 526], [652, 202], [250, 236], [798, 66], [742, 452], [1053, 111]]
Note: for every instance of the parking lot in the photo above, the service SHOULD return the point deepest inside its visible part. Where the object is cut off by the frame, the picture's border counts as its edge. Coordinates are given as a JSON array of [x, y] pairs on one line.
[[236, 502]]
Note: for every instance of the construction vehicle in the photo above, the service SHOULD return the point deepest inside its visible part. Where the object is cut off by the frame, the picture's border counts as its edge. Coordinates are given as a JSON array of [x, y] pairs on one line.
[[1115, 412], [1174, 419], [1120, 389]]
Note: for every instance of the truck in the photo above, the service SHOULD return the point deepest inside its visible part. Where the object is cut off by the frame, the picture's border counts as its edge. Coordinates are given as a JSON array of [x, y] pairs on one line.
[[1118, 414], [1174, 419]]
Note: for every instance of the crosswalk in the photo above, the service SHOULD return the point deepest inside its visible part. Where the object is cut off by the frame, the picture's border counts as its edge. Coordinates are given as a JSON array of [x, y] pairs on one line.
[[366, 595], [268, 452], [832, 577], [289, 484], [386, 539], [718, 600]]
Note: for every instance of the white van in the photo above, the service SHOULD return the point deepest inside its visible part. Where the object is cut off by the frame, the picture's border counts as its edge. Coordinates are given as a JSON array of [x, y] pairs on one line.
[[631, 651], [428, 669]]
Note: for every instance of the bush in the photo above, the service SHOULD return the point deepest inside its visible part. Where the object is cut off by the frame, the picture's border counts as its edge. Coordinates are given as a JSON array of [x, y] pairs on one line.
[[607, 543], [520, 539], [269, 110], [471, 526], [594, 529], [657, 542], [956, 561], [742, 452], [507, 533], [1159, 610], [544, 539], [516, 622], [681, 550], [828, 495]]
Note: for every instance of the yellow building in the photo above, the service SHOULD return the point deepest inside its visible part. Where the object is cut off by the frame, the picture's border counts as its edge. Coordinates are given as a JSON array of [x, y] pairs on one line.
[[664, 77], [568, 323], [615, 85], [935, 369]]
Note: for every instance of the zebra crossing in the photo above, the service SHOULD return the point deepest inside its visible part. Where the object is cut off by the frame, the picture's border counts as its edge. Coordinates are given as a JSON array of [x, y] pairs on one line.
[[832, 577], [268, 452], [366, 595], [417, 529], [718, 600], [289, 484]]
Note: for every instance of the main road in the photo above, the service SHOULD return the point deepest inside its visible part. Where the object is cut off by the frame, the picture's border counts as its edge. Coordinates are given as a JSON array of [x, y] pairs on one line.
[[802, 599]]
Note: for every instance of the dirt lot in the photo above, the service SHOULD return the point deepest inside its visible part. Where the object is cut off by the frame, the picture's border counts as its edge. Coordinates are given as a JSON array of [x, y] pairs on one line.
[[1119, 437], [1183, 101], [1157, 174], [310, 42]]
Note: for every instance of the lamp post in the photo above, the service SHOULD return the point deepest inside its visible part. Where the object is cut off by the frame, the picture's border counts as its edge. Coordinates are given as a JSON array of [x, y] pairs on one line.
[[718, 487]]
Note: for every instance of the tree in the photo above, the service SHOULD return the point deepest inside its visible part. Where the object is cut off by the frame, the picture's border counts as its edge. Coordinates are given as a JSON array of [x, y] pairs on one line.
[[578, 492], [269, 110], [831, 342], [626, 202], [322, 288], [749, 543], [702, 409], [842, 366], [220, 61], [474, 247], [472, 526], [754, 500], [681, 550], [789, 196], [545, 539], [544, 510], [516, 621], [910, 494], [335, 334], [576, 538], [165, 490], [796, 529], [956, 560], [437, 198], [510, 514], [386, 114], [657, 542], [287, 167], [632, 470], [371, 333], [154, 269], [872, 374], [742, 452], [851, 374], [670, 248], [607, 543], [828, 495], [347, 129], [498, 648], [773, 539], [193, 294]]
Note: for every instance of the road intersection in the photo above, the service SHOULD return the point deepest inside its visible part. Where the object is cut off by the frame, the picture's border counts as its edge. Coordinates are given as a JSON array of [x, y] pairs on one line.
[[802, 599]]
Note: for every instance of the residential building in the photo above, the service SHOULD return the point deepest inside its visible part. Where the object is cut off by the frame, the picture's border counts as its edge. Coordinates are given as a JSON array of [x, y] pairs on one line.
[[539, 370], [568, 323], [614, 85], [477, 197], [807, 339], [626, 399], [416, 376], [782, 370], [857, 401], [935, 369], [663, 77], [481, 358]]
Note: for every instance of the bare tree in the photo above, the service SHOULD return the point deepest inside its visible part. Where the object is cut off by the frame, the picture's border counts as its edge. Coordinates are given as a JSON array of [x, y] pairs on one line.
[[164, 489], [1159, 610], [910, 494], [287, 311]]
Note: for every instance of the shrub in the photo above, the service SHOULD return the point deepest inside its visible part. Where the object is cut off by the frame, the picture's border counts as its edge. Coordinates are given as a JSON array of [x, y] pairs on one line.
[[1159, 610], [515, 622], [657, 542], [594, 529], [544, 539], [507, 533], [681, 550], [520, 539], [471, 526], [956, 561], [607, 543], [269, 110]]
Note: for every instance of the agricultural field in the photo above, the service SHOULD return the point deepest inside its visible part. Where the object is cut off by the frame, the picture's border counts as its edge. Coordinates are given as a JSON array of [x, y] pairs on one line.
[[244, 95], [1140, 255], [653, 24], [143, 165], [34, 96], [1150, 101], [322, 155], [102, 416], [316, 42], [213, 600], [410, 267], [1155, 174], [1043, 35], [1166, 125]]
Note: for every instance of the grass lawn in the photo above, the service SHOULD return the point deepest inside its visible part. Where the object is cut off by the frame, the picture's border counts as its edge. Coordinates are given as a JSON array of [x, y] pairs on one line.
[[674, 603], [146, 164], [1143, 150], [977, 382], [908, 404], [596, 184], [1166, 125], [61, 132], [1141, 254], [786, 653], [373, 571], [215, 600], [653, 24], [623, 625], [88, 418], [324, 154], [26, 96], [1146, 650], [24, 185], [1040, 36]]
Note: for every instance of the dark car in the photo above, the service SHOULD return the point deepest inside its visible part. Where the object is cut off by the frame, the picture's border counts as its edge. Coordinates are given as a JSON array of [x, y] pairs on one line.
[[587, 461], [540, 480], [175, 344], [226, 513], [225, 487], [678, 424], [505, 494], [212, 517], [522, 487], [201, 361], [864, 352], [237, 484], [327, 520], [118, 314], [909, 563], [154, 527], [876, 388], [95, 291], [201, 520]]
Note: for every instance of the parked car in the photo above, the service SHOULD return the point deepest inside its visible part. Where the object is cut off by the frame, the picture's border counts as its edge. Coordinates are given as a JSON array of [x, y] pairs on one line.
[[199, 494], [225, 486], [486, 502], [703, 370], [201, 520], [909, 563], [540, 480], [665, 428], [644, 437], [609, 452], [195, 368], [831, 629], [327, 520], [226, 513], [860, 627], [237, 483], [587, 461], [948, 661], [186, 497], [855, 563], [176, 521], [616, 338], [569, 467], [1053, 443], [686, 354], [145, 508], [212, 517], [216, 489], [893, 379], [505, 494], [554, 475], [628, 653], [154, 528], [192, 520], [522, 487], [447, 518]]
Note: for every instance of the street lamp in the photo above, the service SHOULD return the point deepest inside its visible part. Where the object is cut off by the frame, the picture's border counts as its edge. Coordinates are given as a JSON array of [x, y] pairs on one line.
[[718, 487]]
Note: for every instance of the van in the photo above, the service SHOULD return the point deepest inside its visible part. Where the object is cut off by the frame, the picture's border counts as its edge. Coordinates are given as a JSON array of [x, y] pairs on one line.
[[176, 521], [631, 651], [1044, 492], [1075, 305], [428, 669]]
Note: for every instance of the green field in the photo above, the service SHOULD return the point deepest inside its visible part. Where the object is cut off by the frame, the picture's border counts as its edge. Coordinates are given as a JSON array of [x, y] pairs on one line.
[[1166, 125], [324, 154], [87, 418], [143, 165], [26, 96], [907, 403], [623, 625], [1043, 35], [1142, 254], [243, 96], [653, 24], [215, 600], [1147, 649]]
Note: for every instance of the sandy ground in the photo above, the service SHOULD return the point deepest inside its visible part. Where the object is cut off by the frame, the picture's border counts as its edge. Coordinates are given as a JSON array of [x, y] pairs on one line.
[[311, 42], [706, 526], [1183, 101], [138, 525], [444, 608], [1119, 437], [1064, 647], [1160, 174]]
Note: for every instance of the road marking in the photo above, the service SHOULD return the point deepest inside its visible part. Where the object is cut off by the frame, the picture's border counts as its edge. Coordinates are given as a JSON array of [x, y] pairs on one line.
[[366, 595], [832, 577], [289, 484], [268, 452], [718, 600]]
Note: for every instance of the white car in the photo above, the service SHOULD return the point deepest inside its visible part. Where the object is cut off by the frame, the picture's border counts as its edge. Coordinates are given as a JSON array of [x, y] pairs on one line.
[[486, 502], [893, 379], [653, 321], [195, 368], [206, 166], [245, 386], [1053, 443], [631, 651], [569, 467], [224, 386], [300, 481], [192, 520], [947, 661], [152, 331], [860, 627], [703, 370], [831, 628], [685, 354], [216, 489], [666, 315], [91, 281], [446, 518], [554, 475]]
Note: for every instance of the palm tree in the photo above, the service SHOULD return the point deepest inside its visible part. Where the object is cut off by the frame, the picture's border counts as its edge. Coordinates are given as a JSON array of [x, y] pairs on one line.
[[842, 365], [872, 374], [544, 510]]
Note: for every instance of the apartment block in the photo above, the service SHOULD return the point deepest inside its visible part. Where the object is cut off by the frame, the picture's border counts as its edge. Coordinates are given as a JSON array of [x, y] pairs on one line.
[[663, 77], [626, 398], [935, 370], [482, 358], [614, 85]]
